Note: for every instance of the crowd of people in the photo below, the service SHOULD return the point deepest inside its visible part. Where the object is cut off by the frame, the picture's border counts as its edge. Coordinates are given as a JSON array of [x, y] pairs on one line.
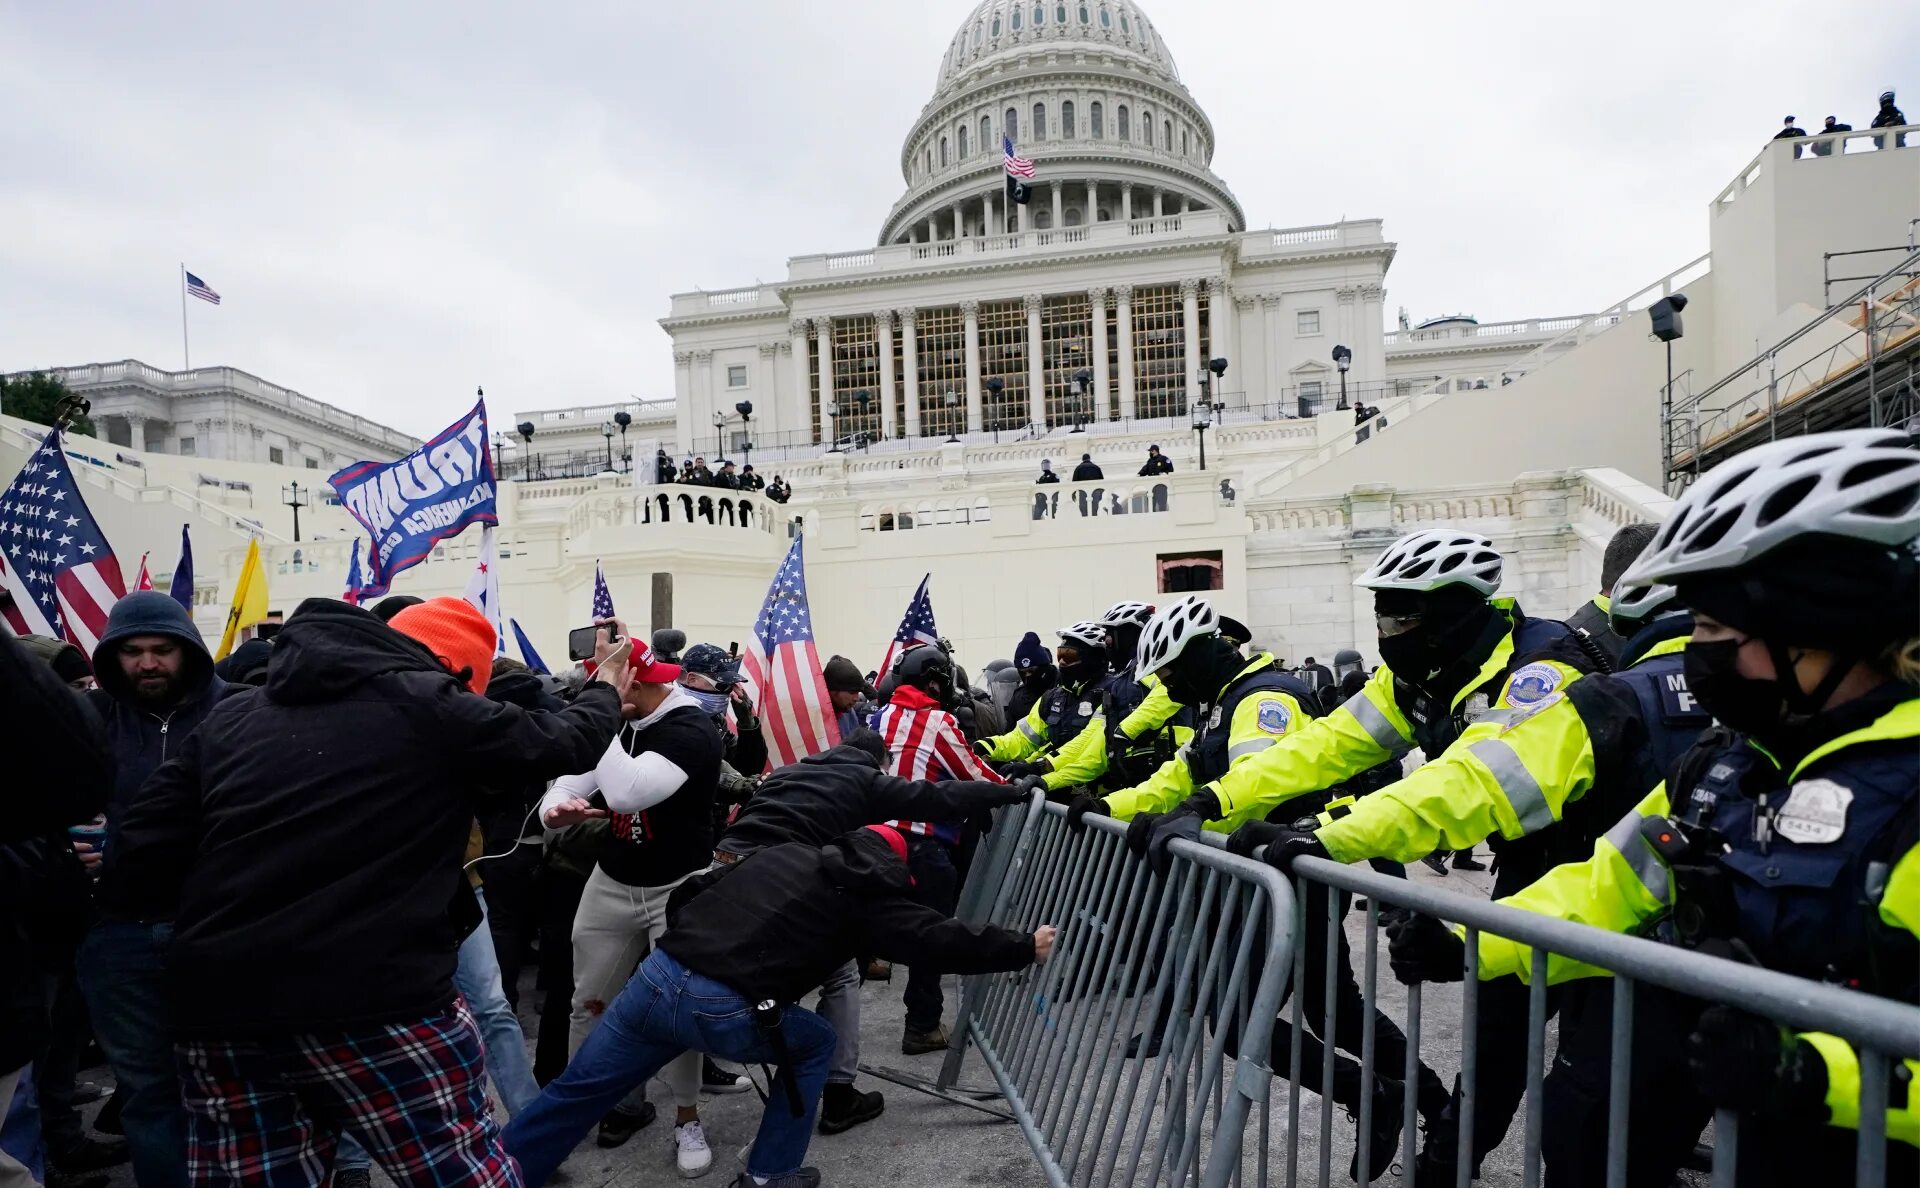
[[1886, 116], [695, 472], [294, 902]]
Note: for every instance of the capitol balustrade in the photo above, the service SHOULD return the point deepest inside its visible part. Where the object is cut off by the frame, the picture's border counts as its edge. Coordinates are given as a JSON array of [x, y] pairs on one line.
[[1200, 224]]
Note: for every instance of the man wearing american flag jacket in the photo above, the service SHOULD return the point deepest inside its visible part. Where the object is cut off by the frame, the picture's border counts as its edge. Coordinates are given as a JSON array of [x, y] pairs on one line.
[[924, 742]]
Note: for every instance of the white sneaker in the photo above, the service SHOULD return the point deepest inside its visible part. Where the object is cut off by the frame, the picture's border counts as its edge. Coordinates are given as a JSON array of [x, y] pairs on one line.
[[691, 1151]]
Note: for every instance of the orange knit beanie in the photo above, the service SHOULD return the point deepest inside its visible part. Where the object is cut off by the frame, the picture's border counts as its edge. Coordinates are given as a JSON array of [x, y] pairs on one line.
[[455, 631]]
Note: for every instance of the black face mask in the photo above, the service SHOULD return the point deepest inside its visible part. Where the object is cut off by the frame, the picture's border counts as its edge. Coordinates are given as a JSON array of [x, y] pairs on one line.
[[1447, 638], [1740, 703]]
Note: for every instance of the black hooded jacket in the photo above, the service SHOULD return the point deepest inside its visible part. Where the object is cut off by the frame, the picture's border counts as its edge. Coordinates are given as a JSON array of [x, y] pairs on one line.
[[842, 788], [776, 925], [314, 828]]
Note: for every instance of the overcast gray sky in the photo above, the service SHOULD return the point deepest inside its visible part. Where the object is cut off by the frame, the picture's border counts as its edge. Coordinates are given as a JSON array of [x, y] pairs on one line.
[[401, 201]]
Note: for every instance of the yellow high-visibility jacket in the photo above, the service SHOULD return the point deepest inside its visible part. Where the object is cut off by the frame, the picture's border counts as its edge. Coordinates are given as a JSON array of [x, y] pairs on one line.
[[1083, 760]]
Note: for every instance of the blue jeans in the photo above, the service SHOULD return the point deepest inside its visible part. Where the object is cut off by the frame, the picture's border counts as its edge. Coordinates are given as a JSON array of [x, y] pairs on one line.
[[20, 1125], [122, 968], [665, 1010], [477, 978]]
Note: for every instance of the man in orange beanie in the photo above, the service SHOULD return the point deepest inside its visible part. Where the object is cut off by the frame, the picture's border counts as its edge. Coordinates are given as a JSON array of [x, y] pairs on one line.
[[314, 829]]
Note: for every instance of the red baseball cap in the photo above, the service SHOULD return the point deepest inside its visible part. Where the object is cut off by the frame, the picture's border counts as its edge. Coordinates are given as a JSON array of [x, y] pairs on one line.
[[649, 670], [896, 842]]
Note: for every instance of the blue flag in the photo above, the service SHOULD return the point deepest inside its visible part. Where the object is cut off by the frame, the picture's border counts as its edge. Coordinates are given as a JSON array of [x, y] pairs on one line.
[[354, 578], [182, 587], [526, 649], [426, 497]]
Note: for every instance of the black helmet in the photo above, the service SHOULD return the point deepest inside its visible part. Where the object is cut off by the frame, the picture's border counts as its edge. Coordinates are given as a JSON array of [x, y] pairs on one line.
[[923, 667]]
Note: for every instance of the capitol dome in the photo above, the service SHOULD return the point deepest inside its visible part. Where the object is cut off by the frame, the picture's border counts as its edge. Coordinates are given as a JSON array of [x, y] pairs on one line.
[[1089, 92]]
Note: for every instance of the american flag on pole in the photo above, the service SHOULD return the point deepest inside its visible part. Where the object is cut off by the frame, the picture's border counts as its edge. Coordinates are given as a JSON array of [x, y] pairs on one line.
[[795, 712], [602, 597], [483, 590], [916, 627], [54, 559], [1017, 166], [145, 580], [201, 289]]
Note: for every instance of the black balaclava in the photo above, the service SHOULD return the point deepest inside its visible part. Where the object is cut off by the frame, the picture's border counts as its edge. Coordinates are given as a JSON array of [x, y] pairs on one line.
[[1198, 674], [1459, 629], [1089, 664], [1123, 644]]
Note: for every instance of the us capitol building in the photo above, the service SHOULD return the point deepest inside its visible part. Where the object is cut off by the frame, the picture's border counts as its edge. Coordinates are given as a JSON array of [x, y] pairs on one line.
[[909, 390]]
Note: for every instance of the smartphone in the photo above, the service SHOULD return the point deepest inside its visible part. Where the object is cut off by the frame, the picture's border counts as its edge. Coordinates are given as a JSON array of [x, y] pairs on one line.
[[733, 649], [581, 639]]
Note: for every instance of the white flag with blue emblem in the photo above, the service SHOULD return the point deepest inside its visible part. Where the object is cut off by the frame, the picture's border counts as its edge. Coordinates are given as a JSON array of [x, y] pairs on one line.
[[483, 589]]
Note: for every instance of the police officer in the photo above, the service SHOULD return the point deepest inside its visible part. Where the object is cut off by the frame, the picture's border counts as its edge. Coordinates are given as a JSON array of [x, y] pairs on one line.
[[1450, 647], [1592, 621], [1134, 728], [1776, 833], [1244, 707], [1063, 711]]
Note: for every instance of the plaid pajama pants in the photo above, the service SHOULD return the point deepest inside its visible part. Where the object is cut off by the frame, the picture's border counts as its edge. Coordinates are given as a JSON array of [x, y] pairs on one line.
[[267, 1114]]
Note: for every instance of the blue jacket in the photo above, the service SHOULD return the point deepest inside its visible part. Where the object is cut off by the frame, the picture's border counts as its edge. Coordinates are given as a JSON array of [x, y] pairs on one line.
[[141, 738]]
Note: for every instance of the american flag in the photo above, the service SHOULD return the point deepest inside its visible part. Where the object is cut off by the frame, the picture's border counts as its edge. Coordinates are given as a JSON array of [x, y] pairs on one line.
[[483, 590], [199, 288], [54, 559], [145, 580], [1017, 166], [355, 579], [916, 627], [782, 663], [602, 597]]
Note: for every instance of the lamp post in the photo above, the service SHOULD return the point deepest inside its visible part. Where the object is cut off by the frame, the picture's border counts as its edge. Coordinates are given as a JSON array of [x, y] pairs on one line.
[[606, 431], [1218, 366], [1343, 359], [745, 409], [500, 443], [953, 413], [719, 438], [295, 498], [833, 416], [1665, 316], [532, 460], [864, 399], [1082, 386], [623, 418], [995, 386], [1202, 421]]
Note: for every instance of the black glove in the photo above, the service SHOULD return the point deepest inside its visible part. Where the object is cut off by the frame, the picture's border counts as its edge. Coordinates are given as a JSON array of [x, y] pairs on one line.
[[1289, 844], [1027, 785], [1747, 1063], [1139, 830], [1422, 949], [981, 747], [1018, 770], [1081, 806], [1180, 823], [1251, 836]]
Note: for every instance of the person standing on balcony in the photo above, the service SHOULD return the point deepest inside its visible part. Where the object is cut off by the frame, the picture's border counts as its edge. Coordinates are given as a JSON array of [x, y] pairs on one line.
[[1789, 130], [663, 471], [1889, 116], [779, 491], [750, 481], [1832, 126], [727, 478], [1046, 472], [1087, 471], [1157, 463]]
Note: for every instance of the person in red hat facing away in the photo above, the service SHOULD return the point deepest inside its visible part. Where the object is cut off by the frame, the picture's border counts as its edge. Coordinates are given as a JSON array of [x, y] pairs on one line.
[[743, 943], [657, 782], [313, 830]]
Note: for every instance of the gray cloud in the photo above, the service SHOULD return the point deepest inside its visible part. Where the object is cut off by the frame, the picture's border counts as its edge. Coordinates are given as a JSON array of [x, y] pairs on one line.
[[399, 202]]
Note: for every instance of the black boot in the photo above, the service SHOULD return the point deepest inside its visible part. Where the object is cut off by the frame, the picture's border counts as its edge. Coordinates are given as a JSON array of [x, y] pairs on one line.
[[1464, 860], [1383, 1139], [842, 1107]]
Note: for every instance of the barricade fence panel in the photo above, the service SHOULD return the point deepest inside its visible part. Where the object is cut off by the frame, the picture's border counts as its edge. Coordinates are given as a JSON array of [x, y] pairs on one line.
[[1145, 1051]]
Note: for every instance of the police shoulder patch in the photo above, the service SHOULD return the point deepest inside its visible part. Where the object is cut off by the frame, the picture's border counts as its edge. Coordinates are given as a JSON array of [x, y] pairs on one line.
[[1517, 716], [1274, 715], [1533, 683]]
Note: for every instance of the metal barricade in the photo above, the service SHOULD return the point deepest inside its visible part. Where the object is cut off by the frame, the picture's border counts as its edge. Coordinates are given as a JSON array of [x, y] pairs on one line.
[[1121, 1058]]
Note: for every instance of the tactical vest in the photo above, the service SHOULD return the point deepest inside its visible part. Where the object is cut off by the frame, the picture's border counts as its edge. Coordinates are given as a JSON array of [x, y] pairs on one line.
[[1207, 753], [1066, 712], [1436, 724], [1786, 872]]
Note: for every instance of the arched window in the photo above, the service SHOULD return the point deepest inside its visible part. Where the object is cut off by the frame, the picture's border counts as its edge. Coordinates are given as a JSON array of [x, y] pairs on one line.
[[1166, 137], [1043, 220], [943, 152], [986, 134], [1013, 125], [1086, 17], [1106, 19], [1146, 128], [1039, 121], [1183, 142], [1039, 15], [1066, 119], [1099, 121], [996, 25], [929, 160], [976, 35], [1013, 20], [1125, 128], [963, 142], [1060, 14]]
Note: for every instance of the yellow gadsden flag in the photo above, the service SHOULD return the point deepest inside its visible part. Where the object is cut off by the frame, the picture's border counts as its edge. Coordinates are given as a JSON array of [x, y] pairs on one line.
[[249, 599]]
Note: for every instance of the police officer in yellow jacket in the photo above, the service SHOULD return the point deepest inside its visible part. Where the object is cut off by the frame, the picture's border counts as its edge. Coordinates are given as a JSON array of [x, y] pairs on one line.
[[1450, 649], [1131, 714], [1772, 841], [1063, 711]]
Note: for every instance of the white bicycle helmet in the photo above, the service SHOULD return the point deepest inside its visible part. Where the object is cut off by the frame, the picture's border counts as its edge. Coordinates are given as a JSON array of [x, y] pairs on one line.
[[1634, 605], [1170, 631], [1122, 613], [1858, 484], [1084, 634], [1427, 560]]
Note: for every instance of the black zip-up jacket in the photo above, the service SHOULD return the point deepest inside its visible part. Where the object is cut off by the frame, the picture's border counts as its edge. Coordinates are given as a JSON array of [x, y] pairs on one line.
[[837, 791], [776, 925], [314, 829]]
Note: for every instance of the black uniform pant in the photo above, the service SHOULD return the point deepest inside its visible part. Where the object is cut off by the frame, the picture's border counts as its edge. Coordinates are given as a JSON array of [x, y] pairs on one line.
[[1500, 1061], [1666, 1114], [557, 892], [936, 885]]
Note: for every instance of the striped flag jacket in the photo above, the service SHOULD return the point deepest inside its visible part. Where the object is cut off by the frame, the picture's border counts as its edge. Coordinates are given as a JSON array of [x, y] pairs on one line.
[[924, 742]]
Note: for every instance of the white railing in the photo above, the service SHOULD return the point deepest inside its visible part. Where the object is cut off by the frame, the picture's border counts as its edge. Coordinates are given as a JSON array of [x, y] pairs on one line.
[[1822, 147], [1294, 240], [1189, 225], [643, 412], [1464, 330]]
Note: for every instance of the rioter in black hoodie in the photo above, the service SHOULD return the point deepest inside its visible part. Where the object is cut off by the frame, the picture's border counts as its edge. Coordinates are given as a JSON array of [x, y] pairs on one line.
[[766, 929], [312, 832]]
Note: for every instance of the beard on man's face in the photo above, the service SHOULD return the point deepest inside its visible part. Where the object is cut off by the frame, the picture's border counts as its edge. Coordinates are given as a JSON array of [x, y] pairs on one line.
[[154, 686]]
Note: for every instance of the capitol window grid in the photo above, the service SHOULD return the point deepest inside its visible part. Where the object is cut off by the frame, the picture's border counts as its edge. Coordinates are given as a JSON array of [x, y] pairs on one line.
[[856, 369], [941, 348], [1066, 332], [1003, 355]]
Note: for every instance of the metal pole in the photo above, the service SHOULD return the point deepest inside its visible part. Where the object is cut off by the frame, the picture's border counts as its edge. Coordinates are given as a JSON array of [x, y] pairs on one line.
[[186, 356]]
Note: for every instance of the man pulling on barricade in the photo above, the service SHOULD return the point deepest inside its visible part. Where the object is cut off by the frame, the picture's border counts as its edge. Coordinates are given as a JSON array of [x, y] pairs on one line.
[[744, 943], [1772, 840], [1245, 707]]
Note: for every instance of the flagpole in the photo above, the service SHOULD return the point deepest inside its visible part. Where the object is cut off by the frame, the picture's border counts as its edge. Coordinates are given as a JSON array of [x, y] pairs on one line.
[[186, 355]]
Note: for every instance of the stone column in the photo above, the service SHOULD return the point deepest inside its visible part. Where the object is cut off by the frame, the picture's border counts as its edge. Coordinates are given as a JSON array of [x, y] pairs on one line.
[[682, 401], [1126, 202], [1190, 330], [1347, 296], [1372, 346], [797, 374], [823, 334], [883, 339], [1059, 219], [703, 384], [993, 204], [1036, 366], [1251, 362], [1157, 203], [959, 220], [1219, 309], [1123, 335], [971, 311], [1102, 409], [1270, 346], [1093, 204], [910, 370]]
